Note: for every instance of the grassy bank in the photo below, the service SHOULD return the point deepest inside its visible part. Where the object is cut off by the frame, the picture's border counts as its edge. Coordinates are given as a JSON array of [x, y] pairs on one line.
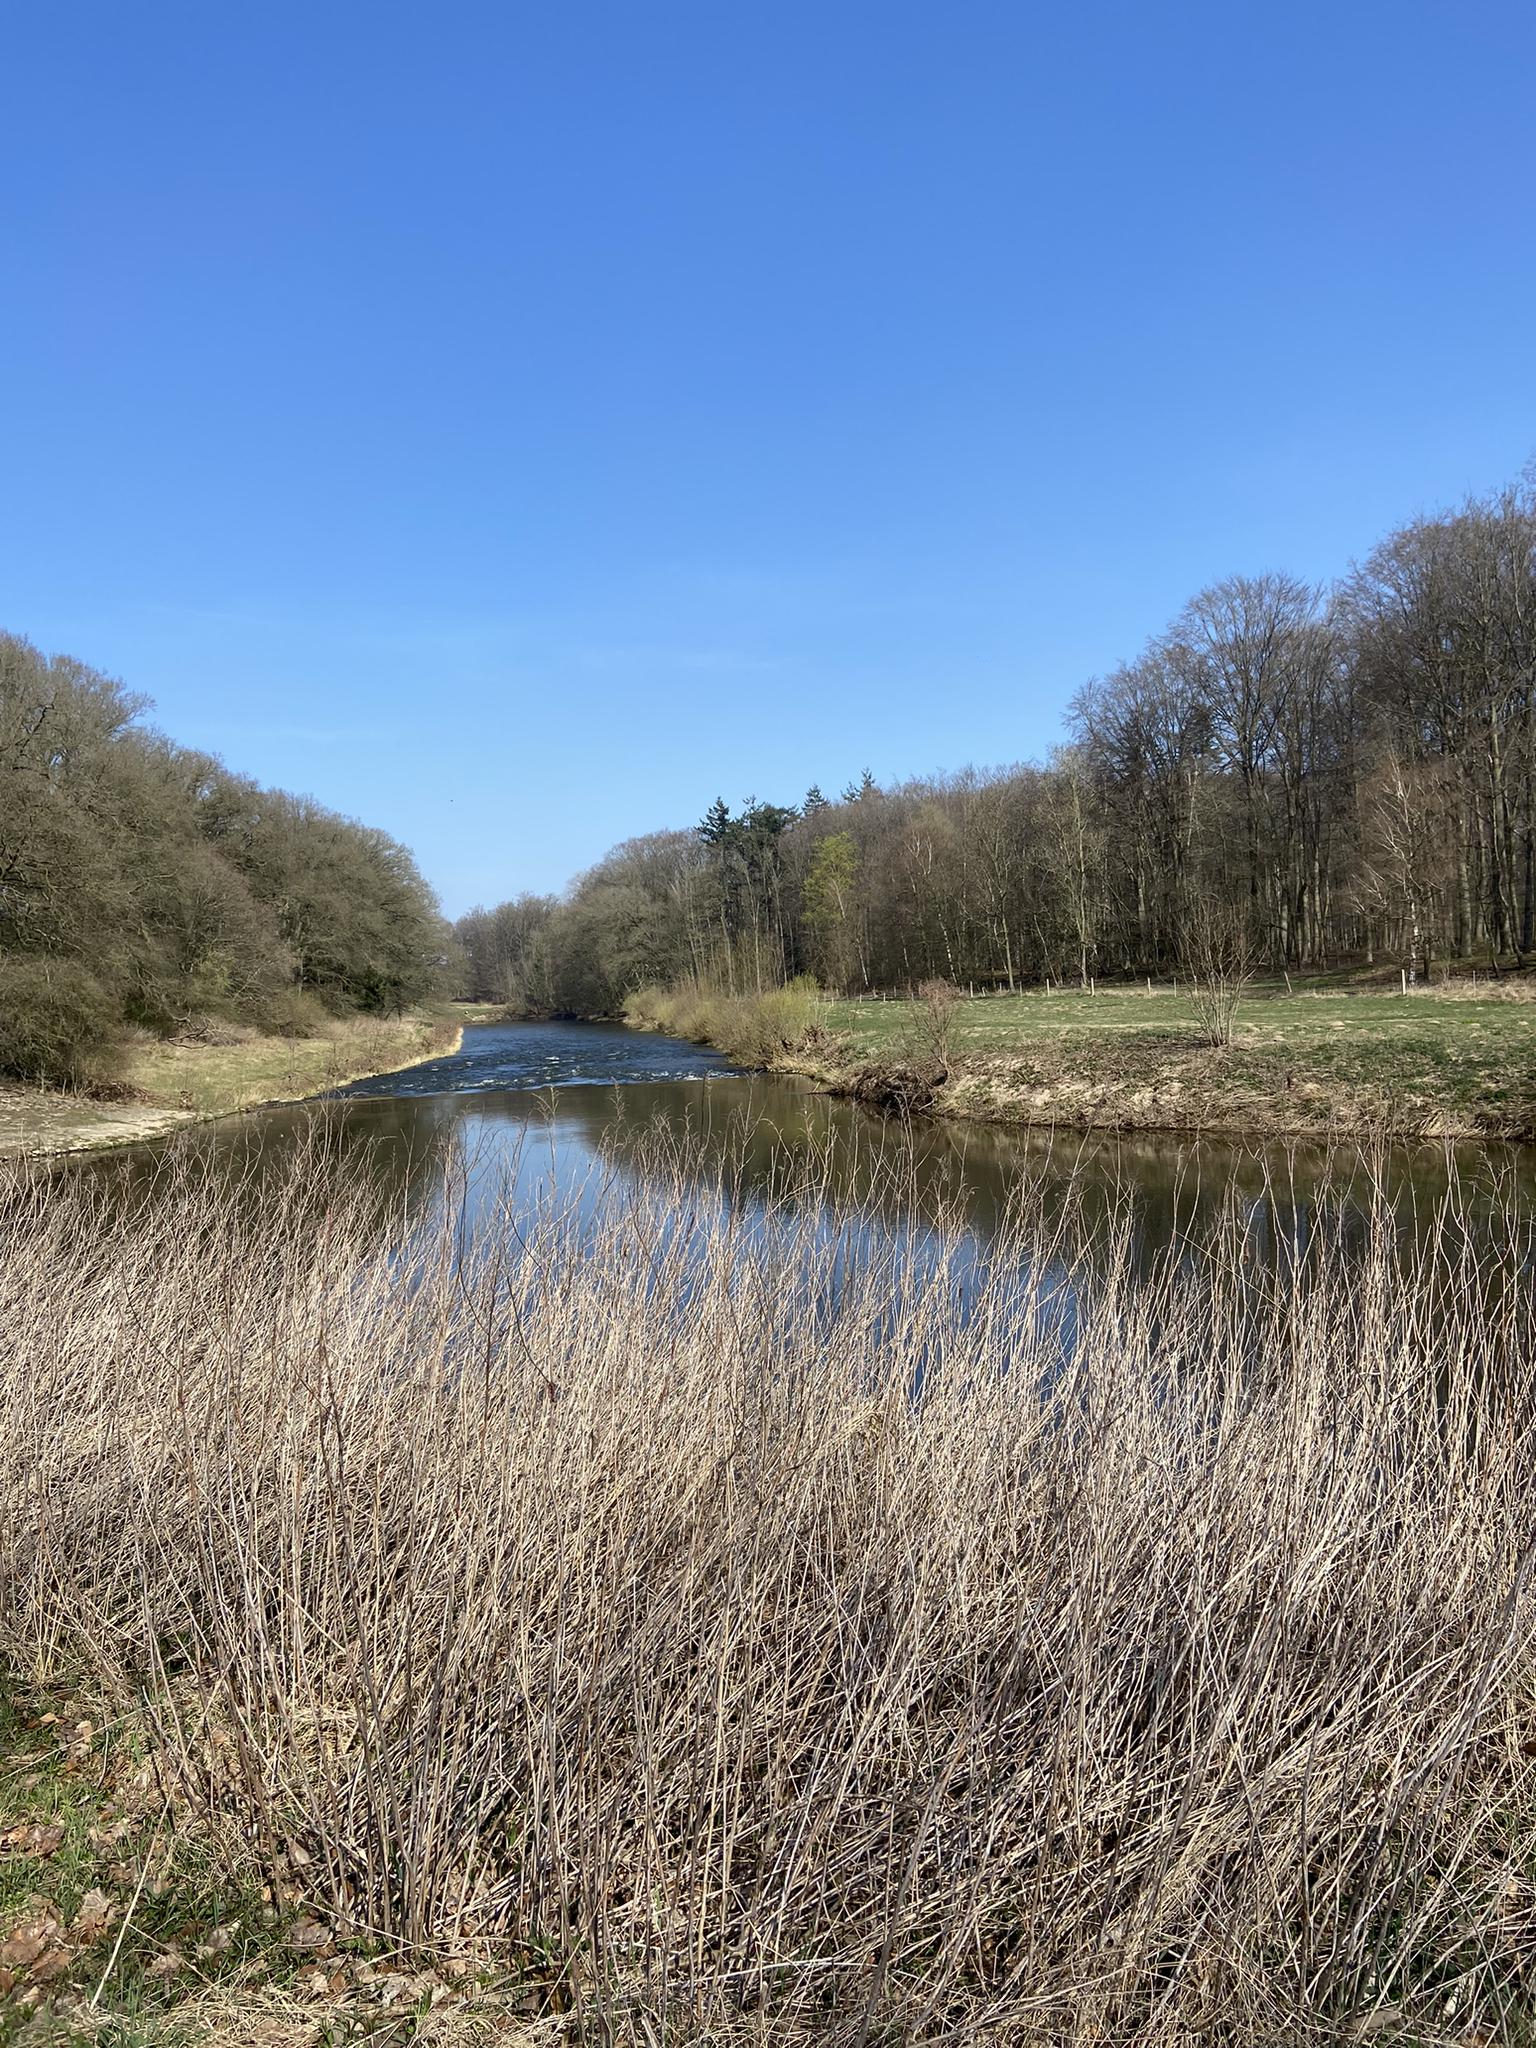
[[165, 1083], [610, 1616], [131, 1918], [1315, 1061], [465, 1013]]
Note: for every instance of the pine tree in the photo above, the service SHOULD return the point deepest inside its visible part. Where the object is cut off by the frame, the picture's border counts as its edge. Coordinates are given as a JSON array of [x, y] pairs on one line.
[[716, 826]]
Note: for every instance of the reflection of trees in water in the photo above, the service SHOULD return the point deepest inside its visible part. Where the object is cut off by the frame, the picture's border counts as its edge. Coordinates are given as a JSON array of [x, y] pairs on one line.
[[768, 1149], [968, 1208], [389, 1167], [766, 1141]]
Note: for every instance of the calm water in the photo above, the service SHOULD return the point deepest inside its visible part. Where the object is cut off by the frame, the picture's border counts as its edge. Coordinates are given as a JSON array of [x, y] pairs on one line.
[[561, 1112]]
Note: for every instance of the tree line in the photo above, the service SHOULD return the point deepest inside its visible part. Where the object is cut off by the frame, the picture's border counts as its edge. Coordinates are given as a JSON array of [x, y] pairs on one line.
[[1333, 774], [145, 885]]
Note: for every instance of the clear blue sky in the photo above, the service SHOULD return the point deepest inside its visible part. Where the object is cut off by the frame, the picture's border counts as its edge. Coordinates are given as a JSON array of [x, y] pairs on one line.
[[515, 424]]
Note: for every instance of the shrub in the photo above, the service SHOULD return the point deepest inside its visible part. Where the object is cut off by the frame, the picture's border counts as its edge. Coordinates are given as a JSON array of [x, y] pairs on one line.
[[1219, 959], [784, 1636], [291, 1013], [938, 1013], [58, 1025], [755, 1029]]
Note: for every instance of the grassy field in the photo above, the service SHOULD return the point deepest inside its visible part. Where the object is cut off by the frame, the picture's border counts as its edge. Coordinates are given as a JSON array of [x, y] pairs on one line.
[[1317, 1061], [169, 1082]]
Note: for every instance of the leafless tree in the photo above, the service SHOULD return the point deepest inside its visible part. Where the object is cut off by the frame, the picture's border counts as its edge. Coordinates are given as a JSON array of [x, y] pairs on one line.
[[1219, 960]]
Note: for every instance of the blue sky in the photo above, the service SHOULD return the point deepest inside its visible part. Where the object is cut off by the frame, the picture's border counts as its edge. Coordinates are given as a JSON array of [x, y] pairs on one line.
[[516, 424]]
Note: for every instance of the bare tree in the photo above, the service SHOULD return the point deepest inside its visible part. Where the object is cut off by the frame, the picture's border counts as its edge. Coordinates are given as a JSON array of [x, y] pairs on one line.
[[1219, 957], [938, 1016]]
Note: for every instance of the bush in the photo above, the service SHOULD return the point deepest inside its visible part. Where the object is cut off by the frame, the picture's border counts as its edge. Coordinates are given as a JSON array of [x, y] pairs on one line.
[[755, 1029], [932, 1031], [1219, 958], [291, 1013], [58, 1025], [1072, 1650]]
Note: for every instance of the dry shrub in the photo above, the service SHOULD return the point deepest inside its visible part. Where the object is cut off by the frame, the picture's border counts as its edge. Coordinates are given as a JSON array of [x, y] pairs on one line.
[[1219, 959], [922, 1058], [1506, 988], [757, 1030], [774, 1631], [938, 1017]]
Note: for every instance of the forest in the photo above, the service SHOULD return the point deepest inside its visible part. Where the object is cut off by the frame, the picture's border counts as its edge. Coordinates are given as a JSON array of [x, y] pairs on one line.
[[145, 887], [1323, 776]]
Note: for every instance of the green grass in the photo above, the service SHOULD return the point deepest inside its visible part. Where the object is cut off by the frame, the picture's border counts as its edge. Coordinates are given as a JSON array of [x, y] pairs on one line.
[[147, 1941], [127, 1904], [1318, 1056]]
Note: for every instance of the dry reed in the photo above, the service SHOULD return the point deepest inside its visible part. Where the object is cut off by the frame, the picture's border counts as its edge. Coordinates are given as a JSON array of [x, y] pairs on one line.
[[775, 1630]]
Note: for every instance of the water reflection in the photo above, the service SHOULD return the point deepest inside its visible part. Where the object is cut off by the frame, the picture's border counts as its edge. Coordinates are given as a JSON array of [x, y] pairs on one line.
[[451, 1138]]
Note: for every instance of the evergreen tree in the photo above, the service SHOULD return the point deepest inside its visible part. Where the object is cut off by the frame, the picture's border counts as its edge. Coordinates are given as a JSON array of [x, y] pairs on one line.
[[716, 826]]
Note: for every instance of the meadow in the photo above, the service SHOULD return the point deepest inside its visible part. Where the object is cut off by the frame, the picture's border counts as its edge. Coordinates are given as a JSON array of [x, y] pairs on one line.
[[1314, 1060]]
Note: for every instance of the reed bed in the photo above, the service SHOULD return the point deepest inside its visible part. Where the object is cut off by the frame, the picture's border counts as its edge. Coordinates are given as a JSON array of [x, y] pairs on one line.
[[801, 1628]]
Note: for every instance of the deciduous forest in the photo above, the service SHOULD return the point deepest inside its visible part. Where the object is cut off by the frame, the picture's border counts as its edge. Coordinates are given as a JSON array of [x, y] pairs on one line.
[[146, 886], [1334, 775]]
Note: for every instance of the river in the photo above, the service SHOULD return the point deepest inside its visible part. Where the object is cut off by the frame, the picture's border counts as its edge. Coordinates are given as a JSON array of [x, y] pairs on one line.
[[551, 1111]]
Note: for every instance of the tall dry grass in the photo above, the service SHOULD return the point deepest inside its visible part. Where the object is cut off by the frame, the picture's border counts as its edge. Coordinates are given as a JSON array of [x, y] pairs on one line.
[[755, 1029], [639, 1599]]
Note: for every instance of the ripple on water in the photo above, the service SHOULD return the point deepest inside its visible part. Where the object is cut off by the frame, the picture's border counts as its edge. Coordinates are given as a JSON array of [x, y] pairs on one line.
[[512, 1057]]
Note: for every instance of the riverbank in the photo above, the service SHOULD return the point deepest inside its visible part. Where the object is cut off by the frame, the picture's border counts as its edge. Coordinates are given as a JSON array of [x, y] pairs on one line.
[[167, 1083], [1316, 1062]]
